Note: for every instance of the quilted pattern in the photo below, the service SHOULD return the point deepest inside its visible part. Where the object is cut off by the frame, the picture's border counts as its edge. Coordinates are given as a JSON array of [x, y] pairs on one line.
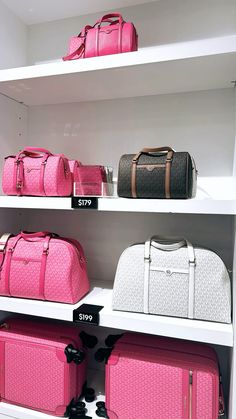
[[34, 377], [65, 278], [151, 184], [57, 177], [204, 399], [142, 389], [168, 295]]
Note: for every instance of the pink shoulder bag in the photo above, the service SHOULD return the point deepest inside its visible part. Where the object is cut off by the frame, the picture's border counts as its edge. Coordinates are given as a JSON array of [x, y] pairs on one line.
[[116, 37], [36, 171]]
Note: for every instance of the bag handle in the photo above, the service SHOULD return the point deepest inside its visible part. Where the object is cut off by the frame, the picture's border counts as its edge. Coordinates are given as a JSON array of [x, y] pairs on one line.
[[106, 18], [37, 150], [27, 235], [156, 150], [169, 244], [33, 151]]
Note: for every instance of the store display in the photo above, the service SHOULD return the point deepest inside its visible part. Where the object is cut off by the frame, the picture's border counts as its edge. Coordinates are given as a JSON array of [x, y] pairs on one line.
[[92, 180], [117, 37], [156, 378], [157, 173], [41, 369], [43, 266], [173, 278], [36, 171]]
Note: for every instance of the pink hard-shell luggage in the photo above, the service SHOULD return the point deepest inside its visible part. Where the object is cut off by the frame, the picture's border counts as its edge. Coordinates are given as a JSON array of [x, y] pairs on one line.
[[116, 37], [162, 378], [51, 328], [43, 370], [36, 171], [42, 266]]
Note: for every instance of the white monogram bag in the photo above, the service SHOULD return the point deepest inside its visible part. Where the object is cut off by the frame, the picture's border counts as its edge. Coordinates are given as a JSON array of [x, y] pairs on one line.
[[173, 278]]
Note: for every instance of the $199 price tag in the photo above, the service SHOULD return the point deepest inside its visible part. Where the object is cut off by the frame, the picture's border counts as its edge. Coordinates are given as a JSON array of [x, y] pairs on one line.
[[87, 313]]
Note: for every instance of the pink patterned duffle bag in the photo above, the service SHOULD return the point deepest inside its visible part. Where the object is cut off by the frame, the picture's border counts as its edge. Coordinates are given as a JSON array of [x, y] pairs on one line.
[[42, 266], [36, 171]]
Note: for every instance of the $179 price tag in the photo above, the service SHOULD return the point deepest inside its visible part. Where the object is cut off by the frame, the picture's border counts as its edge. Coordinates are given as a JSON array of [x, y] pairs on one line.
[[84, 202]]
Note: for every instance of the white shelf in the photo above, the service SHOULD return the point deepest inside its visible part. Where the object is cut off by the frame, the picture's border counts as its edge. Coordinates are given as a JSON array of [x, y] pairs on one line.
[[215, 195], [209, 64], [195, 330]]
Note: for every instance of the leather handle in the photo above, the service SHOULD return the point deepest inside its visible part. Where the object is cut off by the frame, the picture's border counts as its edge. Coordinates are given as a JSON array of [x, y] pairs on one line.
[[27, 235], [36, 150], [156, 150], [33, 151], [109, 16]]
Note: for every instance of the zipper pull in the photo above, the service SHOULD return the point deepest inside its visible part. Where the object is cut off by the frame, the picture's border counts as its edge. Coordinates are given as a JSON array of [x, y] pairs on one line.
[[221, 398]]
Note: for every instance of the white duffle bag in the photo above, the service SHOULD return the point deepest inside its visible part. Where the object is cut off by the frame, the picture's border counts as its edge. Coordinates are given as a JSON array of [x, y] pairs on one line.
[[172, 278]]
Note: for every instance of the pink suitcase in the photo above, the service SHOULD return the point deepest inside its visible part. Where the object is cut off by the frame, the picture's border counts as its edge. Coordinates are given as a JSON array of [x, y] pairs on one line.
[[36, 171], [41, 369], [161, 378], [49, 328], [42, 266]]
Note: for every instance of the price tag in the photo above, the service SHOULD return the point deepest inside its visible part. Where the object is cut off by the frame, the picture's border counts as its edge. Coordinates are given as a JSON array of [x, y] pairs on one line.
[[87, 313], [84, 202]]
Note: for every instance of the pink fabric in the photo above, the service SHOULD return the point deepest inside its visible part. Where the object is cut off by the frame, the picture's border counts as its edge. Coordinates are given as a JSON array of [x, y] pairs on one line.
[[89, 180], [36, 373], [159, 369], [117, 37], [37, 174], [59, 274], [52, 329]]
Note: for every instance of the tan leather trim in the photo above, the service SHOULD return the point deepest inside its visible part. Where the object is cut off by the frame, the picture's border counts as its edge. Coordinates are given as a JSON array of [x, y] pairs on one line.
[[156, 150], [168, 173], [133, 179]]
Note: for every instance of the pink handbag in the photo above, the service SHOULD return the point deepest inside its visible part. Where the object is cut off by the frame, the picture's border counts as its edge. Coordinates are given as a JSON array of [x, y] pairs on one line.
[[36, 171], [42, 266], [117, 37], [89, 179], [148, 376], [42, 366]]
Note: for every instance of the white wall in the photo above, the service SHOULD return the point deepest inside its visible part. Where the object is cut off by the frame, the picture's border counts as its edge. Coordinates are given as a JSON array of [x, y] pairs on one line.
[[160, 22], [100, 132], [13, 36]]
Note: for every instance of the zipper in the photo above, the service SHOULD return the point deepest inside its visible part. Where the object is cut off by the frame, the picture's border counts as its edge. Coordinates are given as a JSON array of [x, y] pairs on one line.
[[190, 393], [150, 167]]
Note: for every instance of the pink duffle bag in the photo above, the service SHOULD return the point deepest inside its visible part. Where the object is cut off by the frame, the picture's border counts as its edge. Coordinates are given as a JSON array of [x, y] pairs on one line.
[[36, 171], [42, 266], [116, 37]]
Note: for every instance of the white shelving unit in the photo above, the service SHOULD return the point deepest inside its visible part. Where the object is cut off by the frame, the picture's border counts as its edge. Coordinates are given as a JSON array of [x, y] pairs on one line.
[[209, 63], [177, 89], [209, 200], [196, 330]]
